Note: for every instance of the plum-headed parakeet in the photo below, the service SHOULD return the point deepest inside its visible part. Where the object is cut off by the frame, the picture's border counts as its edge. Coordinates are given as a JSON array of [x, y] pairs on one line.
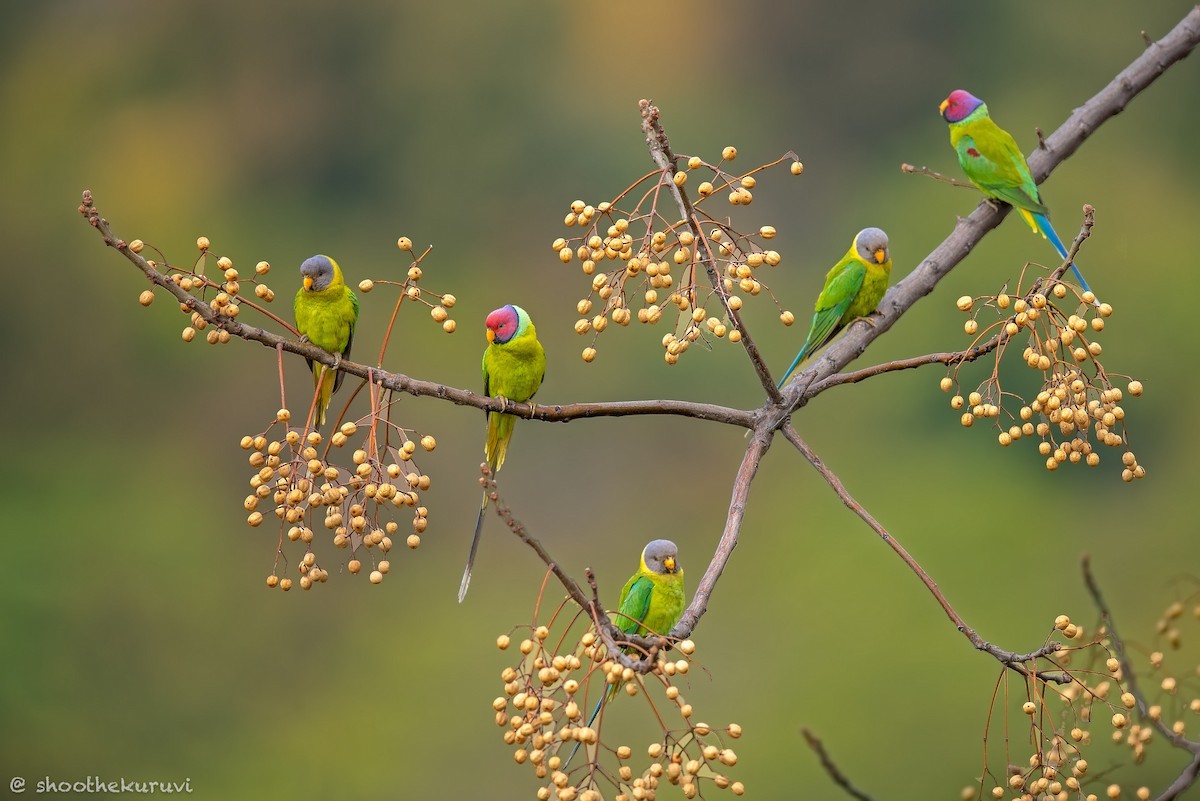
[[853, 288], [514, 365], [992, 161], [650, 604], [326, 311]]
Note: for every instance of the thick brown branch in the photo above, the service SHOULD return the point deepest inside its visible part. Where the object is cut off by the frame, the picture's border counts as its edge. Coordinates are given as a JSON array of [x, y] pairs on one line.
[[729, 538]]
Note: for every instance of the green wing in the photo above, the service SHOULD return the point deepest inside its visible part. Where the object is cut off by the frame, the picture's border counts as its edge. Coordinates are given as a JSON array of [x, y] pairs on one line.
[[841, 287], [337, 383], [635, 604], [991, 159]]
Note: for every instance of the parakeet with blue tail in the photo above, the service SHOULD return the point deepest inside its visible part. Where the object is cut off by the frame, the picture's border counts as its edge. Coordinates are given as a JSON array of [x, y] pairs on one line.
[[650, 604], [991, 160], [514, 365], [326, 312], [853, 288]]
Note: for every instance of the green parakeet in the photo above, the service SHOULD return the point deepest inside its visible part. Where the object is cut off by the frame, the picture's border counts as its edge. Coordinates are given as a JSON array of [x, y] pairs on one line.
[[326, 311], [650, 604], [853, 288], [991, 160], [514, 365]]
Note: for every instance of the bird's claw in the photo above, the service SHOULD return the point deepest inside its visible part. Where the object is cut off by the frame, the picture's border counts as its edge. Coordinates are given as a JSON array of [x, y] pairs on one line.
[[337, 361], [304, 339], [532, 410]]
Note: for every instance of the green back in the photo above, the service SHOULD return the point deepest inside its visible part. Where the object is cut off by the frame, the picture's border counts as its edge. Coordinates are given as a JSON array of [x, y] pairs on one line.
[[990, 158]]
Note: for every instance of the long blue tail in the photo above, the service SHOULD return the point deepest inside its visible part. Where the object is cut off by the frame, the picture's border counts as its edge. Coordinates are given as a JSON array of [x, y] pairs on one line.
[[799, 358], [1048, 231], [591, 720]]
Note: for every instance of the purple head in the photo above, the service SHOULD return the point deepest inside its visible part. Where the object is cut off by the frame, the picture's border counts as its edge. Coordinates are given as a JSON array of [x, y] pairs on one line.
[[959, 105]]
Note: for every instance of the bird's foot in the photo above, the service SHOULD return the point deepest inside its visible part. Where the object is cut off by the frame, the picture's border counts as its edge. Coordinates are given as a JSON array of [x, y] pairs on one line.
[[503, 402], [304, 339], [337, 361], [871, 319], [532, 410]]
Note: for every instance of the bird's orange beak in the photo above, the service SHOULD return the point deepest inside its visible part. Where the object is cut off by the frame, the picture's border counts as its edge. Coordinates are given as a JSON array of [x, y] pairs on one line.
[[669, 564], [942, 108], [308, 282], [491, 336], [880, 256]]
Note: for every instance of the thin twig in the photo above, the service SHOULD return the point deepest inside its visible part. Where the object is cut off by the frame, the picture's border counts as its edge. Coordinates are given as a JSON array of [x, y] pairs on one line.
[[1130, 677], [911, 170], [839, 778], [660, 151], [1013, 661]]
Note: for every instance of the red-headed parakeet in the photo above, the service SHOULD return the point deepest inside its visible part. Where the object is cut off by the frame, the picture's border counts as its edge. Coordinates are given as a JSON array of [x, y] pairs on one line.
[[326, 311], [991, 160], [514, 365], [853, 288]]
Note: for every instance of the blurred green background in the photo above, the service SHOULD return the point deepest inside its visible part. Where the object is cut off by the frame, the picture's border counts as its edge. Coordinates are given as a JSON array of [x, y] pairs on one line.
[[138, 637]]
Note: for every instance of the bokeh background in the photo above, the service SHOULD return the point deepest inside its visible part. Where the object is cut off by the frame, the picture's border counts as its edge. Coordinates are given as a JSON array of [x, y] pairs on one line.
[[138, 638]]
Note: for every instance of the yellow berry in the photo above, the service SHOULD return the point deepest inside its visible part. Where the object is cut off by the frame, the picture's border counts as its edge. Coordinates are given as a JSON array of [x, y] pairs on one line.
[[404, 243], [366, 285], [729, 153]]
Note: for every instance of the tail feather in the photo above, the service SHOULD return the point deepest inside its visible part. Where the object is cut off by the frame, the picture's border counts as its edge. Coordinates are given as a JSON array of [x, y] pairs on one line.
[[325, 384], [466, 578], [608, 694], [1042, 224], [799, 358]]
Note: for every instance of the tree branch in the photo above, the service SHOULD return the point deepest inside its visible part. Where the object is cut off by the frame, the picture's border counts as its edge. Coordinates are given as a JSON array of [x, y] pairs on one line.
[[400, 382], [835, 773], [1011, 660]]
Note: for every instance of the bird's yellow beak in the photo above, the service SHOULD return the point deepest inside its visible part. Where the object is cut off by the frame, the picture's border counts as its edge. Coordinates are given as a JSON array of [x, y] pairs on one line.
[[491, 336], [942, 108], [308, 282], [669, 564], [880, 256]]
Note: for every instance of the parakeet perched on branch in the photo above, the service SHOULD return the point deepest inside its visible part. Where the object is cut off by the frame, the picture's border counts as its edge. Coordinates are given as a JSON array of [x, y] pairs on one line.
[[991, 160], [326, 311], [853, 288], [650, 604], [514, 365]]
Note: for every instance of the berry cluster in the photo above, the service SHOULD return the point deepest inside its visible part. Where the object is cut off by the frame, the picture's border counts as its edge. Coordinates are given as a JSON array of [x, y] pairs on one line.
[[308, 492], [1057, 716], [1061, 717], [227, 297], [439, 311], [646, 245], [293, 472], [1078, 405], [544, 714]]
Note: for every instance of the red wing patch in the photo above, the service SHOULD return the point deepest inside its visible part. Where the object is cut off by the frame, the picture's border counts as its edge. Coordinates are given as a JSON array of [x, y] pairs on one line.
[[972, 152]]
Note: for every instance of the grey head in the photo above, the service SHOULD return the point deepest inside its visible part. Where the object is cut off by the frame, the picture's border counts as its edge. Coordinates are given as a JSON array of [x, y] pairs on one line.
[[317, 272], [661, 556], [872, 245]]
